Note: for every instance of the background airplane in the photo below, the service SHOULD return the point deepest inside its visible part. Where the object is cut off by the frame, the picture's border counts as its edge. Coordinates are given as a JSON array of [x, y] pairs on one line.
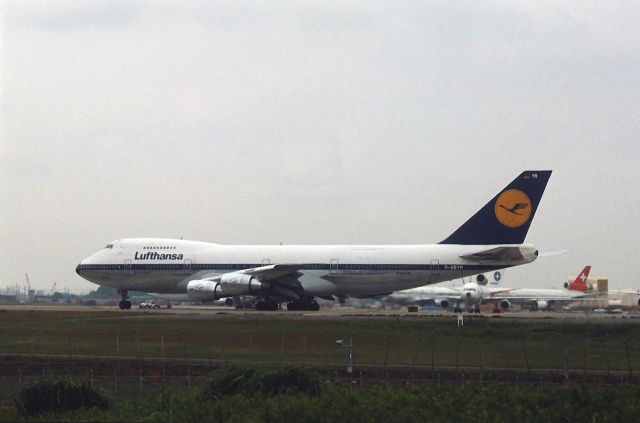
[[485, 290], [470, 295]]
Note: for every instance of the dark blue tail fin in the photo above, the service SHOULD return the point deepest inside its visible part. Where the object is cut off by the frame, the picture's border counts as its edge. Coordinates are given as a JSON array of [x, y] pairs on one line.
[[507, 217]]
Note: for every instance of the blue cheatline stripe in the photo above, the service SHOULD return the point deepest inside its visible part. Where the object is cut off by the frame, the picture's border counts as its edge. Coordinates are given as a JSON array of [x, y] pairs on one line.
[[310, 266]]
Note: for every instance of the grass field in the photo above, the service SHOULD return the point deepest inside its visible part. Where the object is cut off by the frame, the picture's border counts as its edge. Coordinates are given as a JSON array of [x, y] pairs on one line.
[[385, 341], [138, 356]]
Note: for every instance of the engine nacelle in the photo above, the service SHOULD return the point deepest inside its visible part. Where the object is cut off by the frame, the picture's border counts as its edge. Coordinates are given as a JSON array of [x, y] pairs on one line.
[[481, 279], [444, 303], [203, 290], [232, 284], [505, 304]]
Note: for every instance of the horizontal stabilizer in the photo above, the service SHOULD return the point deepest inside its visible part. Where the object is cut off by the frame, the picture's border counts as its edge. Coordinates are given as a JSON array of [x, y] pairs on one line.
[[504, 253]]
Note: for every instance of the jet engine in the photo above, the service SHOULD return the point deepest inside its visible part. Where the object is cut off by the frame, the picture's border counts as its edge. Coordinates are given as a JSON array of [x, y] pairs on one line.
[[505, 304], [445, 303], [229, 285], [203, 290], [481, 279], [239, 284], [537, 305]]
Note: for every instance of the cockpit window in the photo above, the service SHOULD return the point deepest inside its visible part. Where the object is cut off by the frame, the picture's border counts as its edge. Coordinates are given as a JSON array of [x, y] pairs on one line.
[[109, 246]]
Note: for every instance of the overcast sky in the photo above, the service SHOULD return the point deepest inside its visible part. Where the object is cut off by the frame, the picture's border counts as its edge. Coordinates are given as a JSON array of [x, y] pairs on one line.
[[316, 122]]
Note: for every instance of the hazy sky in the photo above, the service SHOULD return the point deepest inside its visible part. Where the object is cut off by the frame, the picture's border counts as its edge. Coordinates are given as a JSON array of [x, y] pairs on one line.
[[315, 122]]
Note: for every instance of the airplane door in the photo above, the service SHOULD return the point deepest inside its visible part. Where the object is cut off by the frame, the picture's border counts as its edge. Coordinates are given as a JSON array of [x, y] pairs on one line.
[[187, 266], [435, 267], [333, 266], [127, 267]]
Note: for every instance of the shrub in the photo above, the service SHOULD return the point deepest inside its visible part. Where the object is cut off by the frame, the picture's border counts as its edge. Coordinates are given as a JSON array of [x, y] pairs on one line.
[[57, 395], [231, 380], [290, 379]]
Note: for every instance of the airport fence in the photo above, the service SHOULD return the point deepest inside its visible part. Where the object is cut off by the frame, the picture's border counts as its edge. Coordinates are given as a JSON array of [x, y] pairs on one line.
[[139, 363]]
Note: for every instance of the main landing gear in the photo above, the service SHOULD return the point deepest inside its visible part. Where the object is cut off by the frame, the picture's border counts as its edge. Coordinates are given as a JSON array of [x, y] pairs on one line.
[[266, 306], [124, 304], [303, 305]]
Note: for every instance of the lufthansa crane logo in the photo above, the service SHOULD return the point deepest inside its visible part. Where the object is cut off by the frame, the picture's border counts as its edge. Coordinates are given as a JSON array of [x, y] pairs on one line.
[[513, 208]]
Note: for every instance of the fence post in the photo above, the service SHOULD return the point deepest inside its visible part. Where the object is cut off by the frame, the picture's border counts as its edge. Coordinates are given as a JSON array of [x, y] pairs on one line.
[[586, 357], [224, 355], [184, 347], [117, 356], [480, 350], [140, 382], [526, 359], [566, 366], [456, 350], [415, 355], [353, 350], [606, 337], [281, 348], [138, 348], [70, 356], [210, 349], [46, 344], [162, 345], [326, 346], [386, 351], [626, 344], [433, 341], [304, 347]]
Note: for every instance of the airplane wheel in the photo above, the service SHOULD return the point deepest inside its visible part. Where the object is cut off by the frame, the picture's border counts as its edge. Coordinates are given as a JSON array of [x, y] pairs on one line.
[[314, 306], [261, 306], [273, 306], [127, 305], [121, 305], [292, 306]]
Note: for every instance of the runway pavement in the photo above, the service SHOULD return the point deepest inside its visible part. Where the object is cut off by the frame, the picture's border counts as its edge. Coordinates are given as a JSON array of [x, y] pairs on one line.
[[325, 312]]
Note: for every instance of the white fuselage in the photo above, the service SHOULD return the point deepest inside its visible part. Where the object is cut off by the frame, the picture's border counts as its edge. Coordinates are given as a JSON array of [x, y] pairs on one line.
[[166, 265]]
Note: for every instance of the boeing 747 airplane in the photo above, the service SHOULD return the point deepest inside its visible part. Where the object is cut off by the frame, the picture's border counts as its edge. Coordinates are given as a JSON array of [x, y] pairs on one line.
[[297, 274]]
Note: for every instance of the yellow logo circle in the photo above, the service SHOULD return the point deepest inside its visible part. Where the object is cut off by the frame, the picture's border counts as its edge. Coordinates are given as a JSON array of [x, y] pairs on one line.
[[513, 208]]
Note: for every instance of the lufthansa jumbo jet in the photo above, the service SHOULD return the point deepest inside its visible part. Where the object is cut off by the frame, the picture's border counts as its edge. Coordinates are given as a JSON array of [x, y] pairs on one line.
[[296, 274]]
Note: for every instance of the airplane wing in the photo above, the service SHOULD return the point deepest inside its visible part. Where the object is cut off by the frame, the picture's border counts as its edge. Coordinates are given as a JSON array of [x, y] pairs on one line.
[[280, 279], [274, 271]]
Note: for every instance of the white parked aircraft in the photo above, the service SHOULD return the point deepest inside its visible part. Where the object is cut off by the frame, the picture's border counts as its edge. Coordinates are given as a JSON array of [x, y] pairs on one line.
[[491, 239], [471, 295], [541, 298]]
